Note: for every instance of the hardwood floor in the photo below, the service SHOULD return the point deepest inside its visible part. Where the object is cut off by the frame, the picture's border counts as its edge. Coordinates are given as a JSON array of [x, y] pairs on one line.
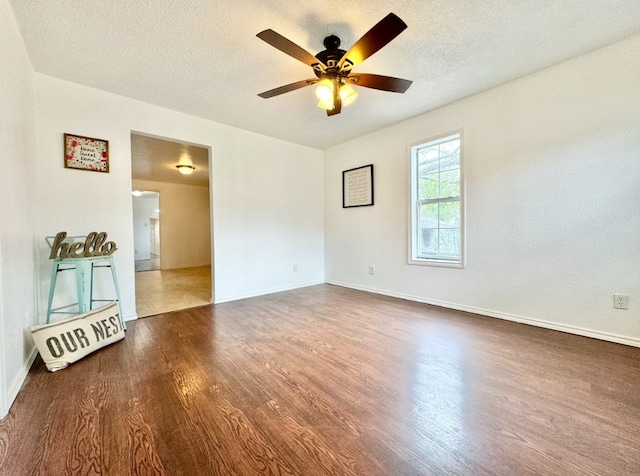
[[331, 381], [172, 290]]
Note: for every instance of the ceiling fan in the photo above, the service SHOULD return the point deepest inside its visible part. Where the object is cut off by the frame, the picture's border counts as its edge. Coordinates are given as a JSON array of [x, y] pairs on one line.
[[333, 66]]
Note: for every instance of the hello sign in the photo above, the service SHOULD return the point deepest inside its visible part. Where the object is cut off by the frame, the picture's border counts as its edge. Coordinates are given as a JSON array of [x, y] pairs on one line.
[[95, 244]]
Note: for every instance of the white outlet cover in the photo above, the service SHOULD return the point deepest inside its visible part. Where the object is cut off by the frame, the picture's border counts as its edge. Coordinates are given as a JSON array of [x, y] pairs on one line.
[[620, 301]]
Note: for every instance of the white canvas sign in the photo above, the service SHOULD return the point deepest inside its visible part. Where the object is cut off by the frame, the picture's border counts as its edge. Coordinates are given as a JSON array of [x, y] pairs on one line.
[[64, 342]]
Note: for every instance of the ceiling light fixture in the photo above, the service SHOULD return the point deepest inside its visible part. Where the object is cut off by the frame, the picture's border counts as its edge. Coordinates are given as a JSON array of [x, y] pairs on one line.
[[347, 94], [326, 92], [185, 169], [185, 164]]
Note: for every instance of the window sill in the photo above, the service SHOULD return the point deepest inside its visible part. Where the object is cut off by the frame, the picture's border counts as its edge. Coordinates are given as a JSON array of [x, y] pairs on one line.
[[436, 262]]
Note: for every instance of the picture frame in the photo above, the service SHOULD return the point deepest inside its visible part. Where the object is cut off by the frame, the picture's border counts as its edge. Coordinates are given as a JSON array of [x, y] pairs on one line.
[[357, 187], [86, 153]]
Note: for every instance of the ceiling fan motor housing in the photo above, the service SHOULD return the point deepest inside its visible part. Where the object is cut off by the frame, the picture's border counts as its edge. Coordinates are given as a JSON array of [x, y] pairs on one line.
[[331, 56]]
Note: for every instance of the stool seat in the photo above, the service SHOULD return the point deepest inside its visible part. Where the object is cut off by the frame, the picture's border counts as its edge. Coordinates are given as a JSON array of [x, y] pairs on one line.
[[84, 268]]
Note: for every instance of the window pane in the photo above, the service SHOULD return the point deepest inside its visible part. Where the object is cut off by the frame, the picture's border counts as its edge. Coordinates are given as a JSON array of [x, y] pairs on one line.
[[449, 215], [428, 242], [429, 186], [428, 160], [429, 215], [449, 184], [450, 155], [449, 243]]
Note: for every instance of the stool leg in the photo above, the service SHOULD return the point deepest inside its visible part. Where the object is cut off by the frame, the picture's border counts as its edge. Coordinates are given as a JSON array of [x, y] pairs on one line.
[[84, 285], [91, 288], [115, 283], [52, 288]]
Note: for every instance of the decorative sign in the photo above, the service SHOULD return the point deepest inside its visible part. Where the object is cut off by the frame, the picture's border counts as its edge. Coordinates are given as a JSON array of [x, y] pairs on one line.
[[95, 244], [357, 187], [86, 153], [64, 342]]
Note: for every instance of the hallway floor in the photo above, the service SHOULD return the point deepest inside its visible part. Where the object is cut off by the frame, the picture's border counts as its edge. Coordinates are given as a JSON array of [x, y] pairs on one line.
[[171, 290], [148, 264]]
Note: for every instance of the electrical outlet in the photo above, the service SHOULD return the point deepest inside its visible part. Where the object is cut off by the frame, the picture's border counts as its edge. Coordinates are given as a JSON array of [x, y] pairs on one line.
[[620, 301], [372, 270], [296, 268]]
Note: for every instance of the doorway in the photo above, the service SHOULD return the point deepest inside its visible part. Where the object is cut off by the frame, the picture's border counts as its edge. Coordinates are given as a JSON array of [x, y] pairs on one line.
[[175, 224], [146, 230]]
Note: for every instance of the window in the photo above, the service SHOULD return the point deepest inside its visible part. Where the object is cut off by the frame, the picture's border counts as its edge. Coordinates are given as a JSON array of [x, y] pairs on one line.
[[437, 202]]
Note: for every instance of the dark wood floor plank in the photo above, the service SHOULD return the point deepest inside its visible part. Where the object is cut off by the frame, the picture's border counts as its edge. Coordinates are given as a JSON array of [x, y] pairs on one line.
[[327, 380], [142, 457], [85, 455]]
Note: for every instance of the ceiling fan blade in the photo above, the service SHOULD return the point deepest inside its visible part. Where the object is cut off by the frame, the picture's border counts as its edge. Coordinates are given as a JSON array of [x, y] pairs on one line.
[[289, 47], [288, 87], [376, 81], [382, 33]]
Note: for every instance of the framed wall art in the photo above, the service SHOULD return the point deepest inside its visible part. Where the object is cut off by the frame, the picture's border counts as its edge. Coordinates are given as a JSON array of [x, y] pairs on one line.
[[86, 153], [357, 187]]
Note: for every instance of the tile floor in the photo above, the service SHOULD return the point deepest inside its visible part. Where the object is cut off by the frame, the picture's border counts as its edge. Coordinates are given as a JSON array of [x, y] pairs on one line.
[[148, 264], [171, 290]]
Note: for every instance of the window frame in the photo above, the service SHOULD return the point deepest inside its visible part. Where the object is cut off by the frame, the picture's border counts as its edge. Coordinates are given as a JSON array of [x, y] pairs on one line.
[[413, 257]]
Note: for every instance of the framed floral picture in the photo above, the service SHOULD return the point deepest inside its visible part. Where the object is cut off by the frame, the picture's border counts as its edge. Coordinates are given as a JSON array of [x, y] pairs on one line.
[[86, 153]]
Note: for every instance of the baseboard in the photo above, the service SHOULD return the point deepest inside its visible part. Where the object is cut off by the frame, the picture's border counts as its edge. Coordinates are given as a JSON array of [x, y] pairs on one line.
[[19, 380], [266, 291], [605, 336]]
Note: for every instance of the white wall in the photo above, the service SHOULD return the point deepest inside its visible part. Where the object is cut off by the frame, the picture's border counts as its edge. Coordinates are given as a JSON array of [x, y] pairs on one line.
[[143, 209], [185, 224], [552, 179], [17, 185], [267, 194], [268, 217]]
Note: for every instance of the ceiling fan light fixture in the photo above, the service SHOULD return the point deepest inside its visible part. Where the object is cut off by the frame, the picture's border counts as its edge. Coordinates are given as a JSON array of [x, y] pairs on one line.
[[347, 94], [324, 91], [326, 104]]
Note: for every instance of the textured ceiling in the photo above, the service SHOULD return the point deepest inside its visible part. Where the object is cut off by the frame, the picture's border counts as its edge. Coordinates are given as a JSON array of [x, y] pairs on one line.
[[202, 57]]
